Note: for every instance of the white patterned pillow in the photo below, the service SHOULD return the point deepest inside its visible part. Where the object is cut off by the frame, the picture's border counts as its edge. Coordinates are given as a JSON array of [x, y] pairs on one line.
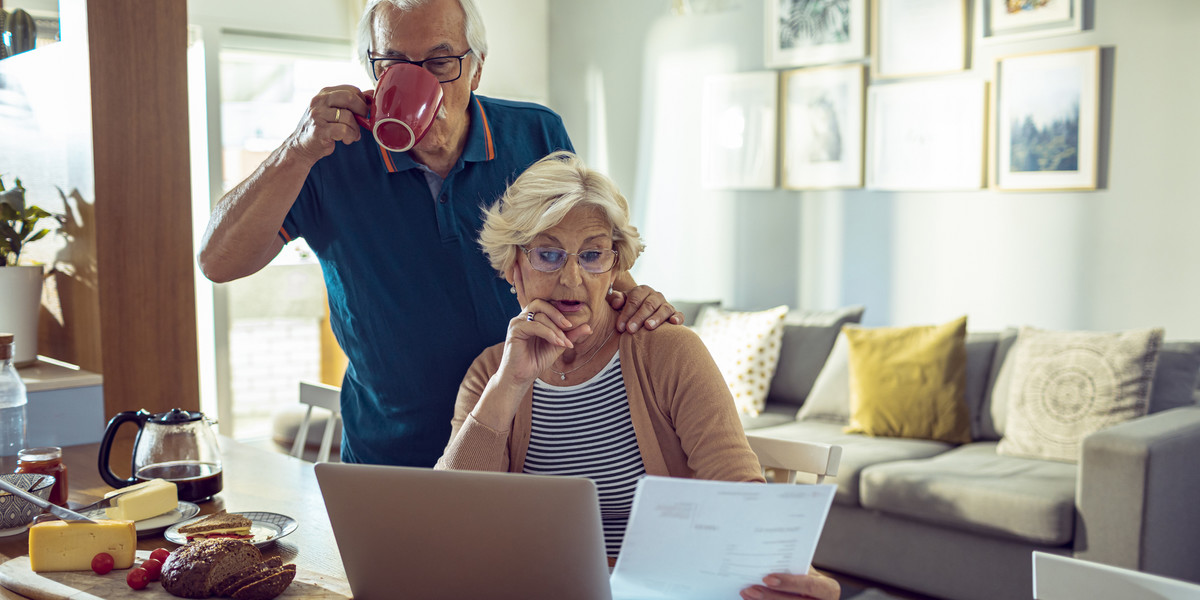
[[1066, 385], [745, 346]]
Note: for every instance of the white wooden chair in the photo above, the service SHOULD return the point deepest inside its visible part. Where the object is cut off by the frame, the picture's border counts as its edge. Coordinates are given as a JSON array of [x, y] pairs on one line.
[[324, 396], [1065, 578], [789, 457]]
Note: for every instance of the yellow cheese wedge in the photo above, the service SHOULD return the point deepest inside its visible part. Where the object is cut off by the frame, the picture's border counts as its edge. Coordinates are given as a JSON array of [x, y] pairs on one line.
[[65, 546], [142, 501]]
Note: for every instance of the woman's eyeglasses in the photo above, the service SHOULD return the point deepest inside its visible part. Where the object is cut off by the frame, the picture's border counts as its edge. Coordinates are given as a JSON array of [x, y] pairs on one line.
[[549, 260]]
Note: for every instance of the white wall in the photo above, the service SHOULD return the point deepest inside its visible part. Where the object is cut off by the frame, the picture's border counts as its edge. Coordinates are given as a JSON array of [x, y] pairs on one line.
[[626, 76], [517, 66], [1119, 257]]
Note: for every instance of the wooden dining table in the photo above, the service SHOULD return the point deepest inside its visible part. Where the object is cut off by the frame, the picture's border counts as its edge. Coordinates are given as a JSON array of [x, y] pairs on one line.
[[254, 479]]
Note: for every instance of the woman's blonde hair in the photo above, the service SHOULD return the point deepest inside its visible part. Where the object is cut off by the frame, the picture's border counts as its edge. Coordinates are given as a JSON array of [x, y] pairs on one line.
[[541, 198]]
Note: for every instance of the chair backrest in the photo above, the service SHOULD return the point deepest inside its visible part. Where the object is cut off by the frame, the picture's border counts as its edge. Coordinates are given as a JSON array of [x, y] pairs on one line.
[[1064, 578], [789, 457], [324, 396]]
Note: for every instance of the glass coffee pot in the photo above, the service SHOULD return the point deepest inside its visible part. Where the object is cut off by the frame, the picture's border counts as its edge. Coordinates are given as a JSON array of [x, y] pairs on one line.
[[176, 445]]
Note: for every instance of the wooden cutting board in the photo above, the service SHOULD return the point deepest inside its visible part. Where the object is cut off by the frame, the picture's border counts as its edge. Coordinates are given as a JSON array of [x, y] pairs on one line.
[[86, 585]]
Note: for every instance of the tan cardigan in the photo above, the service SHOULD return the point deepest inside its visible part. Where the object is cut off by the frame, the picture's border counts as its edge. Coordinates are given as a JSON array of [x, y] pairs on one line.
[[683, 414]]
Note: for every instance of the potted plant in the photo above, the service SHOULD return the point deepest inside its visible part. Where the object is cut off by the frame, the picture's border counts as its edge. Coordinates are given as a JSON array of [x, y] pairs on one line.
[[20, 286]]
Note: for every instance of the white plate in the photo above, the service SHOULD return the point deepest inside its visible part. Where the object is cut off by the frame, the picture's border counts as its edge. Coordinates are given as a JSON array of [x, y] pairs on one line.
[[266, 527], [153, 525], [15, 530]]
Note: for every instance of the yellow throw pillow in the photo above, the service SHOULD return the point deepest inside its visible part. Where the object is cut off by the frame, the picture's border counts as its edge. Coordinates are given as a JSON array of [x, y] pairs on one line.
[[910, 382]]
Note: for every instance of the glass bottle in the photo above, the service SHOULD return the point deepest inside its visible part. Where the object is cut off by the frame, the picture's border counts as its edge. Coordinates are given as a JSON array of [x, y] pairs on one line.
[[12, 407]]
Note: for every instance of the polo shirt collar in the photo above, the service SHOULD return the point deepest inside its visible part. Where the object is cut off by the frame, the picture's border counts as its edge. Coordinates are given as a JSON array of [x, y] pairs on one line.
[[480, 145]]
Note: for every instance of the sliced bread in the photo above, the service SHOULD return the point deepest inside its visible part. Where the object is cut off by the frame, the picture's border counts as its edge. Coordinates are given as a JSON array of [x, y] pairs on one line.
[[271, 584], [230, 584], [193, 570]]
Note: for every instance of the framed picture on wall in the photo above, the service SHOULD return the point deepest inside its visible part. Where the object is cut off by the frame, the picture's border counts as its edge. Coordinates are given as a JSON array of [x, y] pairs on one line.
[[1010, 20], [919, 37], [822, 128], [738, 131], [814, 32], [1047, 120], [927, 135]]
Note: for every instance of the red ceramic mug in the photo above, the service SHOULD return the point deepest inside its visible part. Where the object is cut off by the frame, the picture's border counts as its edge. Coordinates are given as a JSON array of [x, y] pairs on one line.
[[403, 106]]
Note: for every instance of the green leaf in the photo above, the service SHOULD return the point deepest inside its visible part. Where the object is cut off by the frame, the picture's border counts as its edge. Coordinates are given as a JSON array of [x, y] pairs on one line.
[[37, 236], [36, 213]]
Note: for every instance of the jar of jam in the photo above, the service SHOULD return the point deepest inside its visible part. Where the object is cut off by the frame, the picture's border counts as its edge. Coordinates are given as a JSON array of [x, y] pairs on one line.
[[46, 461]]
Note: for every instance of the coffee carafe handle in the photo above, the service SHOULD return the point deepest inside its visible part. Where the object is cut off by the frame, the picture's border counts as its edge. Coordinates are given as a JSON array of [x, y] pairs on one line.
[[110, 432]]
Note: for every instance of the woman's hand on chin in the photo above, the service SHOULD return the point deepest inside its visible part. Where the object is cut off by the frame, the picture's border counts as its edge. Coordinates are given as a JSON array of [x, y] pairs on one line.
[[536, 338]]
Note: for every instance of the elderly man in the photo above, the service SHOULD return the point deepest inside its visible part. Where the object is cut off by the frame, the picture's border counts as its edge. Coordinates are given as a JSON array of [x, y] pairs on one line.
[[411, 296]]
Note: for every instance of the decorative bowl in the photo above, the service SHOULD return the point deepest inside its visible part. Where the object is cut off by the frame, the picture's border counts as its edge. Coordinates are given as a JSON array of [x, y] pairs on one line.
[[17, 512]]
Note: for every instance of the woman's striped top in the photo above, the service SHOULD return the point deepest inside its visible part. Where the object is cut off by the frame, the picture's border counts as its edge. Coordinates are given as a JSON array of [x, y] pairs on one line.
[[585, 430]]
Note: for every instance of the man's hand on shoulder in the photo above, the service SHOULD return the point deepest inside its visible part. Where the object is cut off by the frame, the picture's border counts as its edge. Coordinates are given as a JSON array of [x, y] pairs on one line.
[[642, 306]]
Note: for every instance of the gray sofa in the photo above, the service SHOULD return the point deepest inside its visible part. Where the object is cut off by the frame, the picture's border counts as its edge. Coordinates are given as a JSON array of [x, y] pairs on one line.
[[961, 522]]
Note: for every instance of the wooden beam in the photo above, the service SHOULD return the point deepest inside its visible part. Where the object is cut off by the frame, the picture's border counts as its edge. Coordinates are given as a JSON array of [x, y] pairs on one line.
[[138, 56]]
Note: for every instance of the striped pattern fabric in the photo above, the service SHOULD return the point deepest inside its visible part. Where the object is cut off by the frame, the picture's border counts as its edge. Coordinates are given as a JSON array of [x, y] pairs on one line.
[[585, 430]]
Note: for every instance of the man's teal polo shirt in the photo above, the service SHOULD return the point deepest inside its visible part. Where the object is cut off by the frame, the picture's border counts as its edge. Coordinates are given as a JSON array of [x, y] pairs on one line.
[[412, 298]]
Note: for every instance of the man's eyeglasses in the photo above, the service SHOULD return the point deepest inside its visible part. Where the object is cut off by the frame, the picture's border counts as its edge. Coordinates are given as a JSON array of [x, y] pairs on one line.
[[445, 68], [549, 260]]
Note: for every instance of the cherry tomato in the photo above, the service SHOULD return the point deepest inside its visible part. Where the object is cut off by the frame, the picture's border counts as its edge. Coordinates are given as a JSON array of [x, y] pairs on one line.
[[153, 568], [102, 563], [137, 578], [160, 555]]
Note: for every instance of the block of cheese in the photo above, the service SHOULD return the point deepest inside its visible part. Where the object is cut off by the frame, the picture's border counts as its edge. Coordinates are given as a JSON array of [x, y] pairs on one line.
[[67, 546], [142, 501]]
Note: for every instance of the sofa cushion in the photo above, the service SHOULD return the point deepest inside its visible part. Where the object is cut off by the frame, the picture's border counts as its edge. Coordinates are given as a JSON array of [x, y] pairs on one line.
[[829, 400], [1175, 382], [773, 414], [1175, 377], [972, 487], [994, 412], [858, 451], [1068, 384], [910, 382], [808, 337], [981, 351], [745, 346], [692, 309]]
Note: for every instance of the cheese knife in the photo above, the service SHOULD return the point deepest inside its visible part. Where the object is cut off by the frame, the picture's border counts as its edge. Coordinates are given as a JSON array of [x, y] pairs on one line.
[[56, 510], [103, 502]]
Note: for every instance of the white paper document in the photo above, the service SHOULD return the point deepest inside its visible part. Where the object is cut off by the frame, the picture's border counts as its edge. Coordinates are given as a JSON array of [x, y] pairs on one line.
[[703, 540]]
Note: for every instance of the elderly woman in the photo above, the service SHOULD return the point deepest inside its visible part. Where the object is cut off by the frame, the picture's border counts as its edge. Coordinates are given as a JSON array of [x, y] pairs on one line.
[[566, 393]]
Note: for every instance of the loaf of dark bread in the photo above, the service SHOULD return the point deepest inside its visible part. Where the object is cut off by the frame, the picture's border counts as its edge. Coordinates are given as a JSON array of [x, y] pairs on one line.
[[193, 570], [271, 584], [230, 584]]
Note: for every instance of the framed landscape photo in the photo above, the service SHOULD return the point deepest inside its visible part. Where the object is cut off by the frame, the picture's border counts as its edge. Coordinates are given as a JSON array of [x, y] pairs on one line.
[[814, 32], [822, 128], [919, 37], [1010, 20], [927, 135], [738, 131], [1047, 120]]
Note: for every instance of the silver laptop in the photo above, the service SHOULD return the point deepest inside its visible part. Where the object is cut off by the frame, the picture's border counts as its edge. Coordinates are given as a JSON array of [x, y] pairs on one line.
[[1065, 578], [419, 533]]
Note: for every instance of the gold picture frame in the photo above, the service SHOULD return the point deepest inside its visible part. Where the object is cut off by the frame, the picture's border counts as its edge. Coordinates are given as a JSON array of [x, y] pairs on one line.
[[1046, 128], [822, 127]]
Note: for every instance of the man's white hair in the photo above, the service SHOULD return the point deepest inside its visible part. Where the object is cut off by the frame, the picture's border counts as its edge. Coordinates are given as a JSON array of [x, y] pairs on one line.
[[475, 32]]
